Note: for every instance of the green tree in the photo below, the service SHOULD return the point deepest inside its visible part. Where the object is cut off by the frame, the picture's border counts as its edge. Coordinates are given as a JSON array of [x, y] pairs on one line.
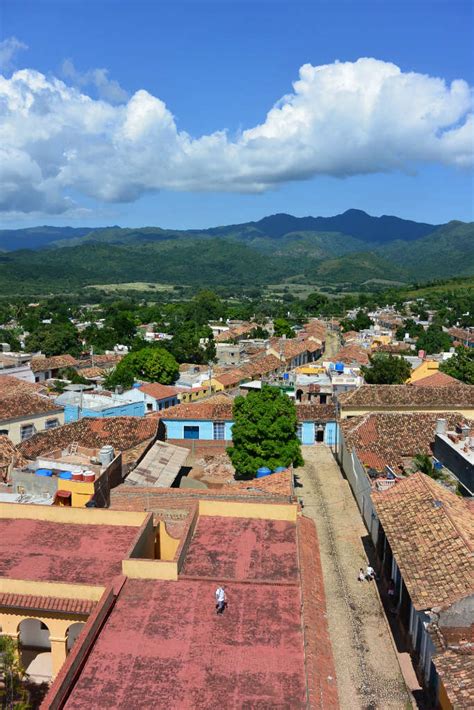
[[460, 365], [13, 691], [264, 432], [9, 336], [149, 364], [258, 333], [434, 340], [282, 327], [360, 322], [424, 463], [386, 369], [409, 326], [54, 339]]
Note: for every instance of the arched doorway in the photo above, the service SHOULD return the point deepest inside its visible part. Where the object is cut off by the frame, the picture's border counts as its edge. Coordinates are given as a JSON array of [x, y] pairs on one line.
[[35, 649], [72, 633]]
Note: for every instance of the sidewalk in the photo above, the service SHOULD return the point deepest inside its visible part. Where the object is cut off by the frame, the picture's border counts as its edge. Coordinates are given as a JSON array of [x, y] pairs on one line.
[[367, 668]]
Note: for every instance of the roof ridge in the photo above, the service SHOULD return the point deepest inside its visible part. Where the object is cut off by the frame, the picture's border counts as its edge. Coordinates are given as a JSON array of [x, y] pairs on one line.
[[429, 484]]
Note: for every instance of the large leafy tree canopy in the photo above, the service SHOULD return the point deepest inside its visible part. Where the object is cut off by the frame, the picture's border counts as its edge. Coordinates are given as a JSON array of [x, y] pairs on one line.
[[386, 369], [150, 364], [434, 340], [460, 365], [54, 339], [264, 432]]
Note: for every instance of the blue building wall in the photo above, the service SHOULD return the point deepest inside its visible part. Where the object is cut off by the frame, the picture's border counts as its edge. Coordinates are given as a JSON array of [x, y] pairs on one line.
[[204, 430], [133, 409], [331, 434], [307, 433], [185, 428]]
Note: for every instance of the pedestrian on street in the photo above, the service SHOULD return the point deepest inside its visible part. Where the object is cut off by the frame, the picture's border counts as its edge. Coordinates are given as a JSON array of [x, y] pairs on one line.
[[361, 575], [369, 573], [220, 600]]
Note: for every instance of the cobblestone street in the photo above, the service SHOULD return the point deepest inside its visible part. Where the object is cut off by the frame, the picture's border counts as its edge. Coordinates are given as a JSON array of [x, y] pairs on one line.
[[367, 668]]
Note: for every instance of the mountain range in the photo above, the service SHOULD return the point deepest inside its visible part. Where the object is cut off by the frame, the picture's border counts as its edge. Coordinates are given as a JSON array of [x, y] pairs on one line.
[[350, 248]]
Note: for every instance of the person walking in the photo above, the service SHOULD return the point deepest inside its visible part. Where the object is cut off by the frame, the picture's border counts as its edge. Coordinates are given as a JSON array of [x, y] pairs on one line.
[[220, 600], [361, 575], [369, 573]]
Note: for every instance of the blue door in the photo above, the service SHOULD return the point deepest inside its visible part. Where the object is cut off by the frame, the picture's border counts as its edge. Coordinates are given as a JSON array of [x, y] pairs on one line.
[[191, 432]]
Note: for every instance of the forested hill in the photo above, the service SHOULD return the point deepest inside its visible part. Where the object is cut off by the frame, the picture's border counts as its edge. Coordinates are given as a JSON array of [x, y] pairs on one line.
[[354, 224], [245, 255]]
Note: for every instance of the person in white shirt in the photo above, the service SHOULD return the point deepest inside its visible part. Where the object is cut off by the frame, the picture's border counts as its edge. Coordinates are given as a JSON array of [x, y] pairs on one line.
[[220, 600], [369, 573]]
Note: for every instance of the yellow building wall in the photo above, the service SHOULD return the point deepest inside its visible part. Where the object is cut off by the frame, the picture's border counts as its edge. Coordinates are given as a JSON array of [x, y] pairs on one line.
[[168, 544], [81, 516], [443, 700], [60, 590], [39, 422], [215, 384], [427, 368], [81, 491], [262, 511], [150, 569]]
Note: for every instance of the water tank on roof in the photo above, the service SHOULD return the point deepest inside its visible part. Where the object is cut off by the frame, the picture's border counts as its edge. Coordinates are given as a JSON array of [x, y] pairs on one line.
[[46, 472], [65, 475], [437, 465], [106, 455], [136, 385], [279, 469], [339, 367], [263, 471], [286, 376]]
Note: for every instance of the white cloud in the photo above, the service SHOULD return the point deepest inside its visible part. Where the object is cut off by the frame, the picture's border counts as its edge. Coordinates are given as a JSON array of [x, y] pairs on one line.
[[9, 47], [341, 119], [107, 89]]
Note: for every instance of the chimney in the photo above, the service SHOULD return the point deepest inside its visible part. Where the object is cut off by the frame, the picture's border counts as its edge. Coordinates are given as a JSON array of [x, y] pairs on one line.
[[465, 429], [441, 426]]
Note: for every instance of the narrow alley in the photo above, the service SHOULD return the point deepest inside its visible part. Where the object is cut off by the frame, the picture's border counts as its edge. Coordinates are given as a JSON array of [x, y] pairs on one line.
[[369, 676]]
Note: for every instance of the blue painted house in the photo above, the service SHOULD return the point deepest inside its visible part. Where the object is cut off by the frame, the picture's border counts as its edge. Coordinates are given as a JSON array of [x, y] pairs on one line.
[[77, 406], [154, 395], [211, 420]]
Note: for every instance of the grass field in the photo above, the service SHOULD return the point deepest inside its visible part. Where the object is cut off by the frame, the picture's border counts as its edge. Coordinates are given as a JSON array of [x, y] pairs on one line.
[[133, 286]]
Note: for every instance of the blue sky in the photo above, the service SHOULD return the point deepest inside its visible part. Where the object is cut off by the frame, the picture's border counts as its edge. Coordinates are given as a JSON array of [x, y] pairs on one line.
[[222, 66]]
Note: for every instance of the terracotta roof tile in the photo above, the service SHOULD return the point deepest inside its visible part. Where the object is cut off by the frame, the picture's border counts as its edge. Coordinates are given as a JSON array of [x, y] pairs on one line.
[[42, 364], [13, 385], [372, 396], [351, 354], [9, 453], [26, 601], [122, 433], [431, 534], [218, 407], [159, 391], [315, 412], [437, 379], [456, 670], [387, 438], [23, 404]]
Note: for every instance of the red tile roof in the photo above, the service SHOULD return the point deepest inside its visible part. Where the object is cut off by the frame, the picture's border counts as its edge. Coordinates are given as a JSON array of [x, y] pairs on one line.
[[394, 396], [437, 379], [229, 378], [456, 670], [9, 454], [42, 364], [431, 534], [261, 366], [26, 601], [17, 406], [13, 385], [218, 407], [159, 391], [316, 412], [388, 438], [351, 354], [122, 433]]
